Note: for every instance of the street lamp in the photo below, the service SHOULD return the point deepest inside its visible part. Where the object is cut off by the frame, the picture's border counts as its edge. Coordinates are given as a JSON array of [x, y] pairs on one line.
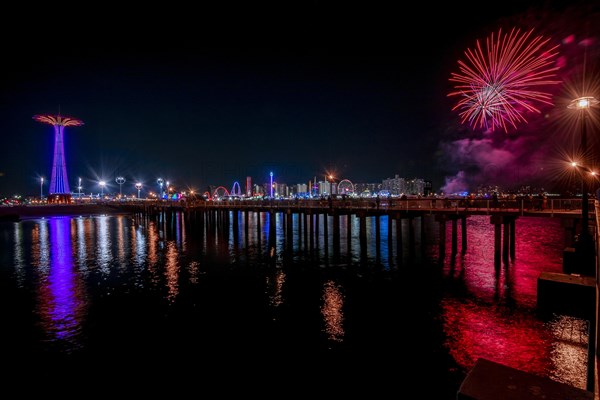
[[585, 244], [102, 184], [120, 180], [160, 183], [138, 186], [41, 188]]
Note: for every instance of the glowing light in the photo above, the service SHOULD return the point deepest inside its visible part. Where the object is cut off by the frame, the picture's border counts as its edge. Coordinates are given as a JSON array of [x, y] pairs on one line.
[[120, 180], [160, 183], [172, 271], [583, 103], [497, 85], [220, 192], [59, 183], [333, 311], [236, 190]]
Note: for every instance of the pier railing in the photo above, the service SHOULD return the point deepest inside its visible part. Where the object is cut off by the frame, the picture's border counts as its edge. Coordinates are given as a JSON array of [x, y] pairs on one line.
[[520, 206]]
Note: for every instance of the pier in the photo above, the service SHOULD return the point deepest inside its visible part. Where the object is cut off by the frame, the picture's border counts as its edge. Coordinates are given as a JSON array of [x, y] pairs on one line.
[[315, 217]]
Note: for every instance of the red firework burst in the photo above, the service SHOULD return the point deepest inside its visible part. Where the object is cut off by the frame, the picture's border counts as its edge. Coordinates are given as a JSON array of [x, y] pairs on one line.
[[499, 84]]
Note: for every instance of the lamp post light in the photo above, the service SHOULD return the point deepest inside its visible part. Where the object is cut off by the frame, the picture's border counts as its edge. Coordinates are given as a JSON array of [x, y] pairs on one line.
[[160, 184], [138, 186], [41, 188], [79, 188], [102, 184], [585, 243], [120, 180]]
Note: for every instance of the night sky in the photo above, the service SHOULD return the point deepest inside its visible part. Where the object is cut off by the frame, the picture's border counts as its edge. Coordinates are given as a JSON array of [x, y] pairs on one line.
[[208, 97]]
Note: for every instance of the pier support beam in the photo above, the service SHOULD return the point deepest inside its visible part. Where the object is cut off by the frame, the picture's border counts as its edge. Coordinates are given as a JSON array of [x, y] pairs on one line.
[[336, 234], [349, 233], [463, 221], [454, 237], [377, 238], [362, 219], [399, 239], [390, 240], [441, 219], [508, 243]]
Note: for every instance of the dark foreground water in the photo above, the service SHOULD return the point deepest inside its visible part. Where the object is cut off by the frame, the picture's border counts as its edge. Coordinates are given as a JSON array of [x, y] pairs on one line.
[[158, 306]]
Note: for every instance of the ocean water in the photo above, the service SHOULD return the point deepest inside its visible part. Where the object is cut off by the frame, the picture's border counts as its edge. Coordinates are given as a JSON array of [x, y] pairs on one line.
[[250, 309]]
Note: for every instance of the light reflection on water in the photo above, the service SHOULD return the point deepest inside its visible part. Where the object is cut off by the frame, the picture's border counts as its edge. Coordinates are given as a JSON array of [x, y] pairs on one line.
[[173, 267], [62, 304], [490, 312], [332, 310]]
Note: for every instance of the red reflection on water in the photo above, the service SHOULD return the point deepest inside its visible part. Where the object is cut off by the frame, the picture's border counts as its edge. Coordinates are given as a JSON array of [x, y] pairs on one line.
[[539, 247], [490, 310], [496, 333]]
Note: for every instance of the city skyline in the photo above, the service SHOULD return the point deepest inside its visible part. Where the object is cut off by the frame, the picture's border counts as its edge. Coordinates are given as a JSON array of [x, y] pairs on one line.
[[214, 113]]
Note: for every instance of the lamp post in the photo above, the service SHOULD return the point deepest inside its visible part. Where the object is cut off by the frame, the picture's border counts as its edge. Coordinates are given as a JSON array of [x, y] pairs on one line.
[[160, 184], [120, 180], [41, 188], [102, 184], [138, 186], [585, 243]]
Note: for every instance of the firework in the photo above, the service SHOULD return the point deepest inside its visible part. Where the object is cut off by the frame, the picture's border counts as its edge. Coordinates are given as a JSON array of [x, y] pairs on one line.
[[498, 84]]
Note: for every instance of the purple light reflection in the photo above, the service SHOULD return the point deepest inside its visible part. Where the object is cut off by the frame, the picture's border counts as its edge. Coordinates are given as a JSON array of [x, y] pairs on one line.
[[62, 306]]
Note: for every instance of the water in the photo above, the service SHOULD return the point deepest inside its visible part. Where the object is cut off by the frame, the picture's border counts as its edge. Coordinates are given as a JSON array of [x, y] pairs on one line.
[[124, 298]]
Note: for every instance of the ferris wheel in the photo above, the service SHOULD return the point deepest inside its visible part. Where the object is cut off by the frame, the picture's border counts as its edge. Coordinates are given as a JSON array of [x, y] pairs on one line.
[[345, 187]]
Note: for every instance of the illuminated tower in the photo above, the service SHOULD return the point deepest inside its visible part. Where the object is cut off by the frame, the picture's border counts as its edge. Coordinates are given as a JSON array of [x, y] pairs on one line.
[[248, 186], [59, 184]]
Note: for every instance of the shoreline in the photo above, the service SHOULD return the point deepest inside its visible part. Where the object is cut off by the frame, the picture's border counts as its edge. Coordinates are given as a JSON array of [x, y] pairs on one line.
[[17, 213]]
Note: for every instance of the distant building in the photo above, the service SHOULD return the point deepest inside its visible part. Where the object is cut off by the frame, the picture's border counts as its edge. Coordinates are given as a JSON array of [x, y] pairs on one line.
[[324, 188], [249, 186], [428, 189], [415, 186], [395, 186], [299, 189], [360, 188], [258, 190]]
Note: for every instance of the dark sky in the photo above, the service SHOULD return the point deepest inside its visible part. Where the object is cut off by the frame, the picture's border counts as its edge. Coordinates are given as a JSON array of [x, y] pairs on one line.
[[209, 96]]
